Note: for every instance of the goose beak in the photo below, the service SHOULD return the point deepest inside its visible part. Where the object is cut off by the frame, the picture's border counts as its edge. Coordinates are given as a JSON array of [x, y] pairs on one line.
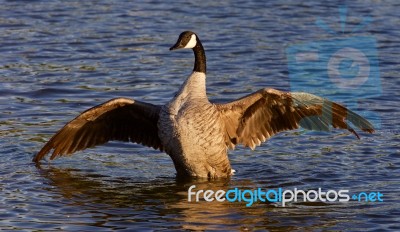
[[178, 45]]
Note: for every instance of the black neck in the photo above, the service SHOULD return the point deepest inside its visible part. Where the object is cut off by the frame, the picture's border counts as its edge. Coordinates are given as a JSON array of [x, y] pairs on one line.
[[199, 58]]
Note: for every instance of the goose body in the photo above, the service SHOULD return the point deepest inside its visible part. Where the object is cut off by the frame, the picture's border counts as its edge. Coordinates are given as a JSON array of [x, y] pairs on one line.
[[194, 132]]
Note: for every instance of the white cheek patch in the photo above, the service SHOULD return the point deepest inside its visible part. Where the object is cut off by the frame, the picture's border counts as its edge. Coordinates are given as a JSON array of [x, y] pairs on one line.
[[192, 42]]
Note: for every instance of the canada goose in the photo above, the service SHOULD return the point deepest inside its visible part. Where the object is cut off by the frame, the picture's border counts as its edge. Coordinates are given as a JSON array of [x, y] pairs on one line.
[[195, 133]]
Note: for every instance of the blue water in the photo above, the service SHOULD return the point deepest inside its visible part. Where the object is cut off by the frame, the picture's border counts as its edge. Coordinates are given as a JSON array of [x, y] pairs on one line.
[[58, 58]]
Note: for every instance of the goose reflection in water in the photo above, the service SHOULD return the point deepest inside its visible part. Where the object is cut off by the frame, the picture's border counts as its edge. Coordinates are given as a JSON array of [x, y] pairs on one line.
[[114, 200]]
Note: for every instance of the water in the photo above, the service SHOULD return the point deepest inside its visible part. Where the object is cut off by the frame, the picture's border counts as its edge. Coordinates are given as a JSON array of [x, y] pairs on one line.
[[59, 58]]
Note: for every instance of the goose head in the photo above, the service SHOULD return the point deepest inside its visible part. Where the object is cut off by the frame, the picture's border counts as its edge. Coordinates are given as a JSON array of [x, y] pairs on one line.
[[187, 39]]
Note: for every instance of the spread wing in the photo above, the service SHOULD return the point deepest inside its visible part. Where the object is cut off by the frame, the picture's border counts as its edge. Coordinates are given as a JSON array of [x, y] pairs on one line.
[[118, 119], [254, 118]]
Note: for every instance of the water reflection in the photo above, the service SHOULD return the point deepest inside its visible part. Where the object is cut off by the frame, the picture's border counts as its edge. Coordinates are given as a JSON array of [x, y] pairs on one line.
[[167, 198]]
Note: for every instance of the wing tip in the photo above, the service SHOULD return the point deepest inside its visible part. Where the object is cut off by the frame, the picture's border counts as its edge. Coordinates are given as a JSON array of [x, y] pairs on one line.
[[368, 130], [39, 156], [36, 159], [42, 153]]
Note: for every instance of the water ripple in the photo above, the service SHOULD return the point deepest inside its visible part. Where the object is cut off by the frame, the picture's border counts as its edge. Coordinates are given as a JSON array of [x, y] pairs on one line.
[[62, 57]]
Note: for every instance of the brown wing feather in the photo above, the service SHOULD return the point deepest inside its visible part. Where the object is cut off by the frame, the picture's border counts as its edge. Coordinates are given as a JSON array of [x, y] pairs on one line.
[[118, 119], [254, 118]]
